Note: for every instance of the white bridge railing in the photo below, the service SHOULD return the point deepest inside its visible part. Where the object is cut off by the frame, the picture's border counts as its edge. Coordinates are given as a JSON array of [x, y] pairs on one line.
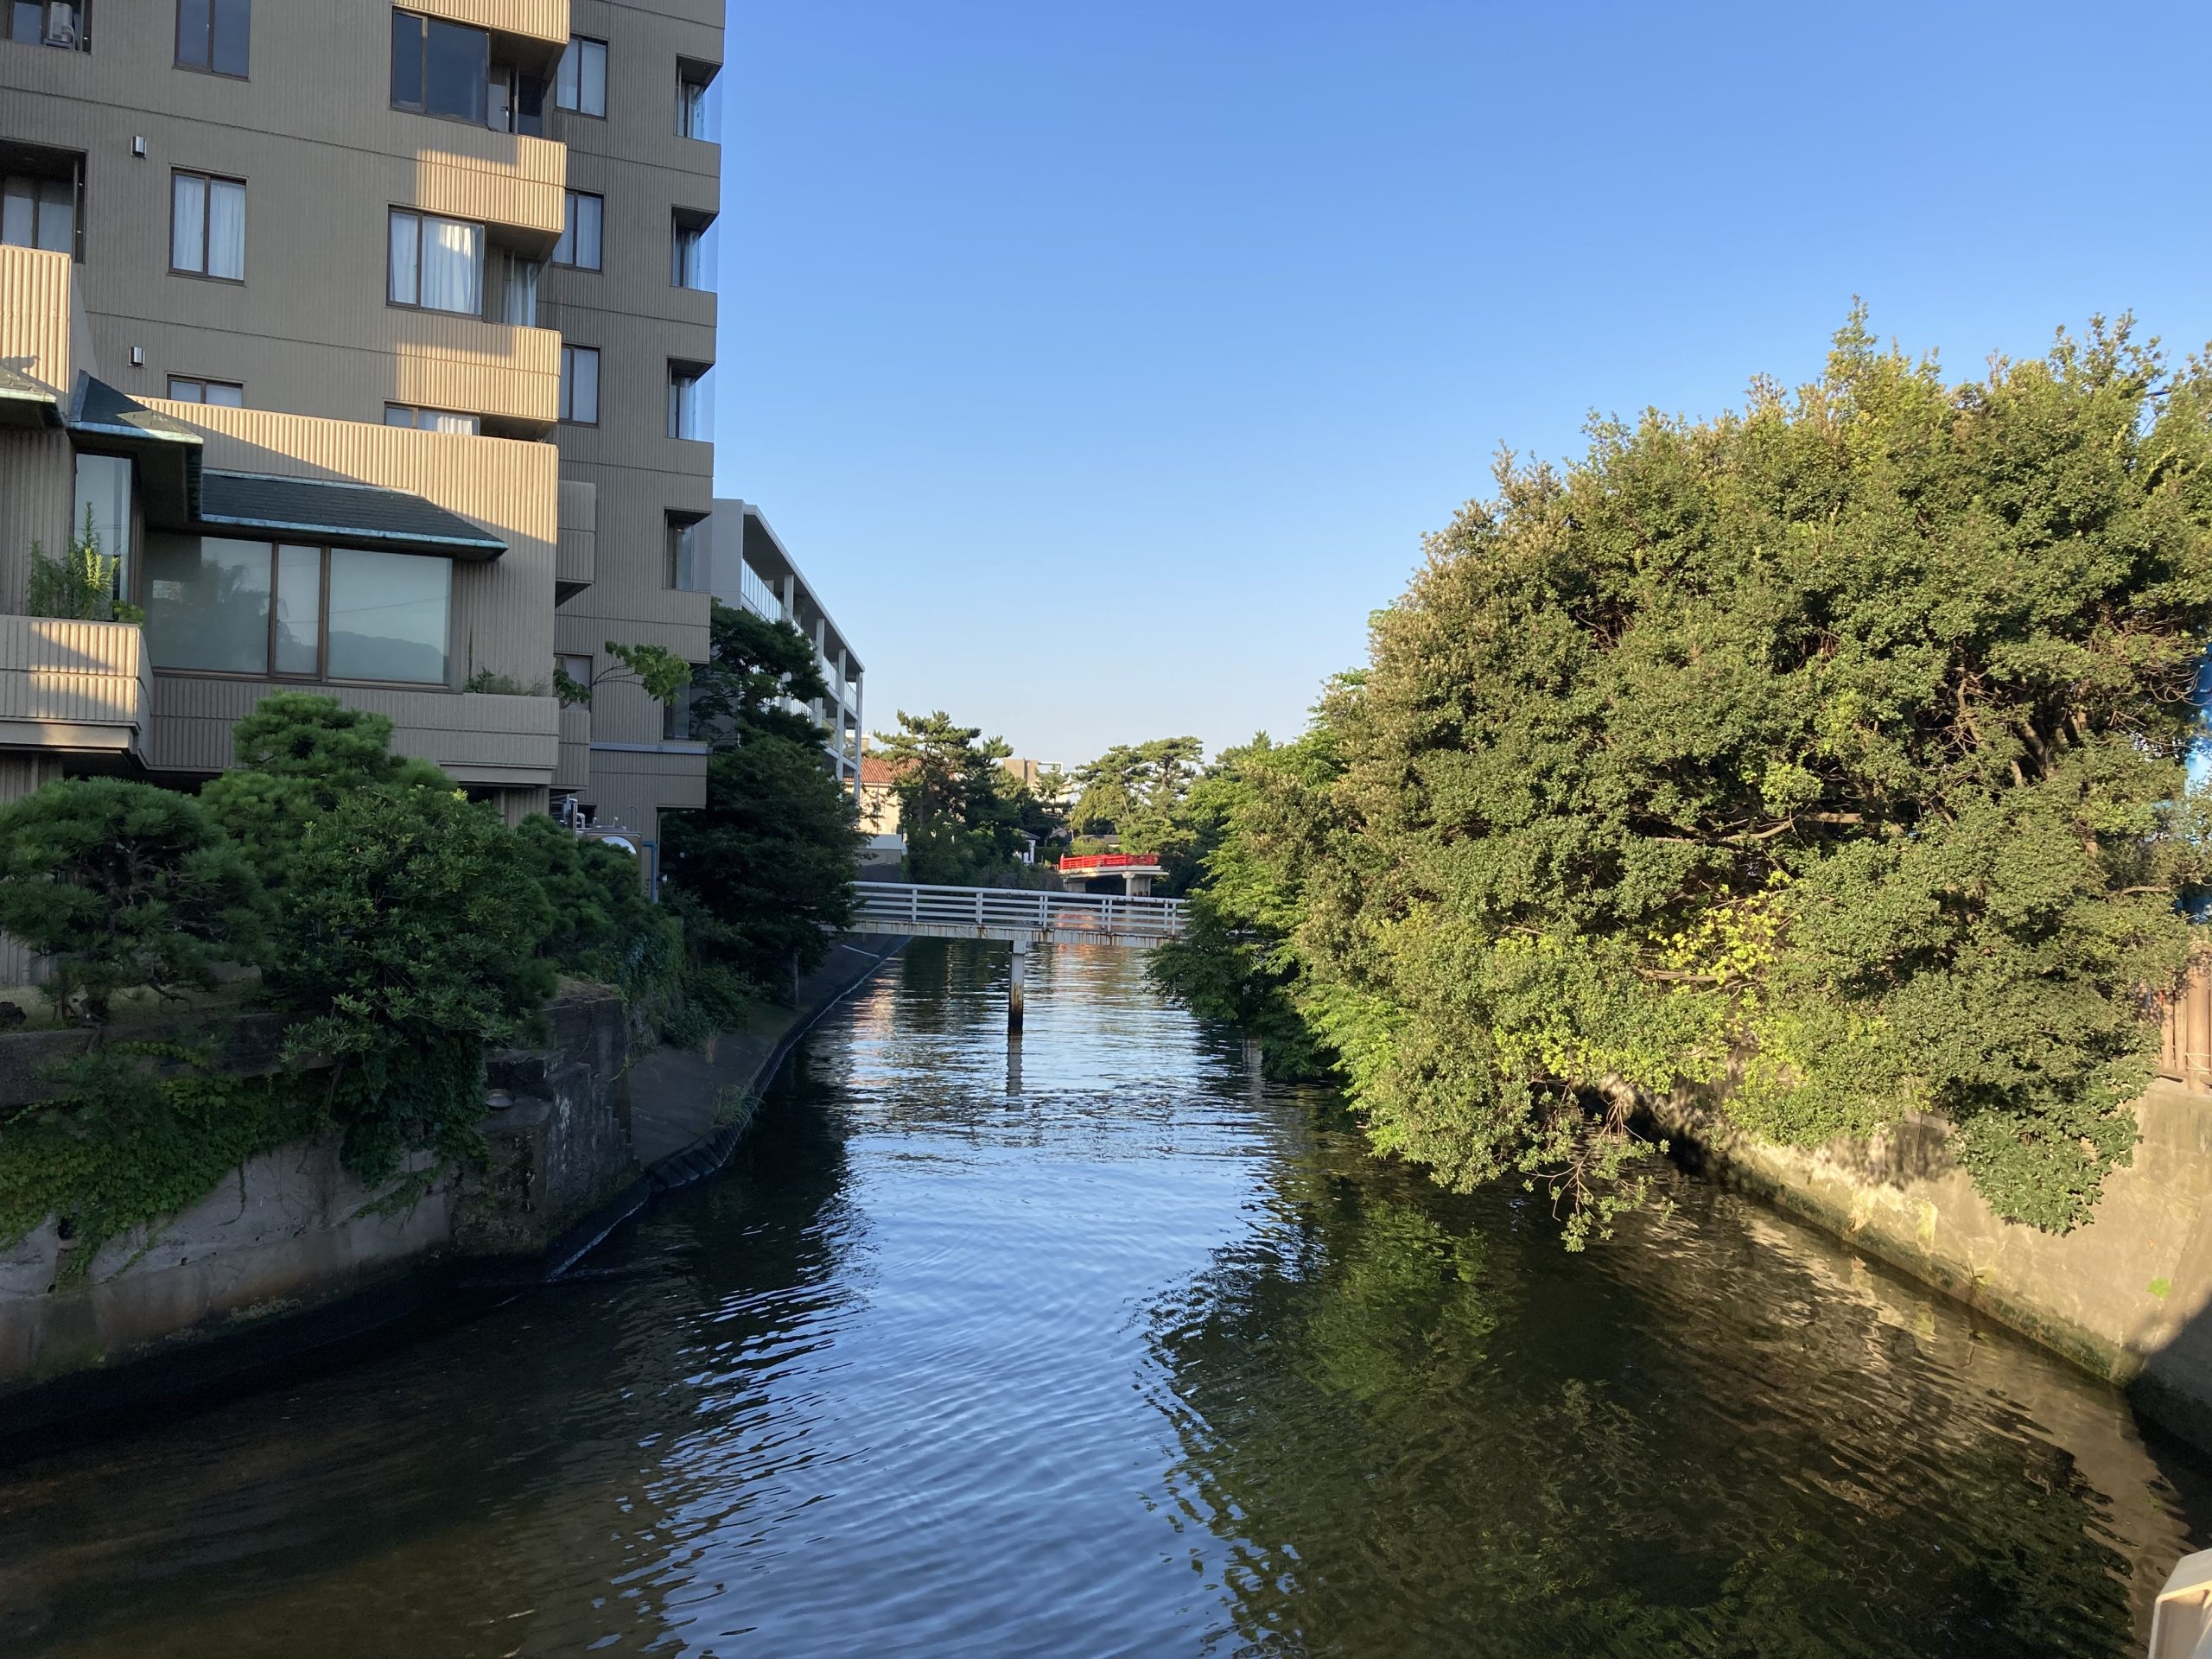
[[1005, 913]]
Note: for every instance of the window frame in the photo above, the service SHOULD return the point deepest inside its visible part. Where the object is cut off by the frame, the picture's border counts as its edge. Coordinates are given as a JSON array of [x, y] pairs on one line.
[[83, 25], [76, 182], [567, 395], [677, 526], [203, 382], [679, 226], [322, 675], [569, 199], [684, 372], [417, 410], [176, 44], [685, 79], [422, 218], [483, 84], [208, 182], [576, 43]]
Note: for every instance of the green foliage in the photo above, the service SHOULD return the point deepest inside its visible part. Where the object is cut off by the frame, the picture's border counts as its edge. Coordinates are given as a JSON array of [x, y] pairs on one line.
[[767, 867], [572, 691], [411, 936], [184, 1135], [299, 754], [961, 812], [79, 586], [1138, 791], [602, 926], [1829, 755], [656, 668], [125, 886]]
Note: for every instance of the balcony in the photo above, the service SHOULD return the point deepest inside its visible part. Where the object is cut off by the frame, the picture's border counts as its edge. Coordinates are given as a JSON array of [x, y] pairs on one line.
[[546, 21], [491, 369], [80, 687], [484, 737]]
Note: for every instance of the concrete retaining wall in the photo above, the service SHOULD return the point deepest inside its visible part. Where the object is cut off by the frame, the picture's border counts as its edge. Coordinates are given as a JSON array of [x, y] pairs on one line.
[[293, 1232], [2129, 1296]]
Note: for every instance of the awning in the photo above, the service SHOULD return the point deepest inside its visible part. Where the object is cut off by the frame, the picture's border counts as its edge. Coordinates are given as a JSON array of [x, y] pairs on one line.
[[26, 402], [265, 505]]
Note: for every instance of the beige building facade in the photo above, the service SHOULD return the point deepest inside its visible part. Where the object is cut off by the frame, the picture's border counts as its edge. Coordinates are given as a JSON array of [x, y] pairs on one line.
[[375, 337]]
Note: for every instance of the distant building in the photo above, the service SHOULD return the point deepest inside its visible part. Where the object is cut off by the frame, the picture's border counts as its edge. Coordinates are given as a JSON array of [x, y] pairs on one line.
[[746, 565], [879, 796]]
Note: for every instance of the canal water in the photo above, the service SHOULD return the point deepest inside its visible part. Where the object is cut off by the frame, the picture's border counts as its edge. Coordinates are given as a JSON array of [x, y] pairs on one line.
[[1096, 1346]]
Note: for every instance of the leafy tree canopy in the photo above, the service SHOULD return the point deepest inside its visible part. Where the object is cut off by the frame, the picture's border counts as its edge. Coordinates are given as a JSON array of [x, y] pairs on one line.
[[124, 886], [1830, 755], [1137, 792]]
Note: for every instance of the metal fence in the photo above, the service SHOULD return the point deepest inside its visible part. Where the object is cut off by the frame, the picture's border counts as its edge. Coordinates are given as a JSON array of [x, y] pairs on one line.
[[892, 904]]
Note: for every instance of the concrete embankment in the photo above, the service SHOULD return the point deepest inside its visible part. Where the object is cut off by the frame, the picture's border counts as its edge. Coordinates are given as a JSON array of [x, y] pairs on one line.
[[2127, 1297], [293, 1252]]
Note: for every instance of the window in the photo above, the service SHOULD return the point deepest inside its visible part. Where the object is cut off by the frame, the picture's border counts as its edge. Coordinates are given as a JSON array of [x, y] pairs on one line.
[[50, 23], [580, 84], [688, 266], [38, 213], [519, 293], [579, 385], [518, 103], [581, 219], [226, 606], [228, 393], [676, 716], [577, 668], [103, 492], [441, 68], [691, 83], [436, 263], [213, 34], [686, 555], [687, 413], [430, 420], [207, 226]]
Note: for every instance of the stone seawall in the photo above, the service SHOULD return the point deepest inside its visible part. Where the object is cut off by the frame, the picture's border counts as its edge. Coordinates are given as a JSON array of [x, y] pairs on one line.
[[276, 1250], [2127, 1297]]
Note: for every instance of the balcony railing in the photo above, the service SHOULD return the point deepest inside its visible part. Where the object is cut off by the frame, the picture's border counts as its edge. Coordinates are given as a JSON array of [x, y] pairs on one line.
[[73, 685]]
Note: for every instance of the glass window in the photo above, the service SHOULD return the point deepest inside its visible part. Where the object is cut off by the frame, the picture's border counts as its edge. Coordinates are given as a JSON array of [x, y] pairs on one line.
[[388, 616], [38, 213], [683, 560], [579, 385], [437, 263], [689, 267], [518, 299], [581, 82], [48, 22], [207, 226], [103, 491], [228, 393], [577, 668], [677, 718], [529, 106], [687, 416], [580, 221], [442, 68], [690, 103], [296, 638], [207, 604], [213, 34], [430, 420]]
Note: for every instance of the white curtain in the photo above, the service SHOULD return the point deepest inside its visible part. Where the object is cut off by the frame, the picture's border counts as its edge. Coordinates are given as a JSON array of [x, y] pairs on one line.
[[453, 266], [188, 223], [406, 259], [522, 294], [226, 228]]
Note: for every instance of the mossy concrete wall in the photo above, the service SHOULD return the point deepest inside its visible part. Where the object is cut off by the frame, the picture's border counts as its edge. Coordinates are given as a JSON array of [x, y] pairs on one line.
[[294, 1232], [2129, 1296]]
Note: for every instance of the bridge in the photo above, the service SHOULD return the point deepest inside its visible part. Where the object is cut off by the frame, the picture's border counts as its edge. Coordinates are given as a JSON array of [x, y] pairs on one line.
[[1019, 916]]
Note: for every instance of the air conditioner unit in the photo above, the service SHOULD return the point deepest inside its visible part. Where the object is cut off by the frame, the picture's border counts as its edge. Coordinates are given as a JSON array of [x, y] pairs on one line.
[[61, 34]]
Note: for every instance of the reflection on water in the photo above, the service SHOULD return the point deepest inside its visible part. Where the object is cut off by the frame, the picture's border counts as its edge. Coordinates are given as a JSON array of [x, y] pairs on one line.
[[1091, 1346]]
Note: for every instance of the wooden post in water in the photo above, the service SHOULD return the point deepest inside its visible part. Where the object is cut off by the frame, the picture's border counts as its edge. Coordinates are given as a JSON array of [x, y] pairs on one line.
[[1015, 988]]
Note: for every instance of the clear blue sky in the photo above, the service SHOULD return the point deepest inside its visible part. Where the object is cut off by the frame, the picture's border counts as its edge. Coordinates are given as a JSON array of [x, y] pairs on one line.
[[1102, 361]]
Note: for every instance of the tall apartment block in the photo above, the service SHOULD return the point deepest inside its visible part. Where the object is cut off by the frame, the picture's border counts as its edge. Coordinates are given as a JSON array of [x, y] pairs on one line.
[[373, 337]]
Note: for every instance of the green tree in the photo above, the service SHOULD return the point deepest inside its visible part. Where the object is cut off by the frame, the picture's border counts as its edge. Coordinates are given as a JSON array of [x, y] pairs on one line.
[[768, 865], [961, 812], [1829, 755], [412, 929], [124, 886], [299, 754]]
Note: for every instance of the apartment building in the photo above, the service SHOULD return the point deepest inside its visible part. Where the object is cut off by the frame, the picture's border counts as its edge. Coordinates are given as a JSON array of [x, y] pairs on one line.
[[742, 561], [375, 337]]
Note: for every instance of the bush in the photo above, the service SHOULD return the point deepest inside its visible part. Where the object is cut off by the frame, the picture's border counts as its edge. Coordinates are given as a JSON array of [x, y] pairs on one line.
[[411, 933], [125, 886]]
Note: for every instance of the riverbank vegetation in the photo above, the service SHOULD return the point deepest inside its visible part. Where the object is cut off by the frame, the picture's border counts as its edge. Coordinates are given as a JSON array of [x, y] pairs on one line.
[[1828, 756], [964, 816], [399, 930]]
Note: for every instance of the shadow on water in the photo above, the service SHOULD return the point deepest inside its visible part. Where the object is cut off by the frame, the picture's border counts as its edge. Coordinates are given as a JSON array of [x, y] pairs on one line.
[[1093, 1346]]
